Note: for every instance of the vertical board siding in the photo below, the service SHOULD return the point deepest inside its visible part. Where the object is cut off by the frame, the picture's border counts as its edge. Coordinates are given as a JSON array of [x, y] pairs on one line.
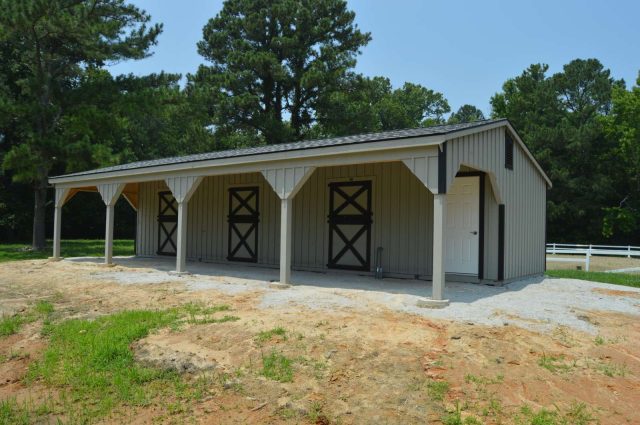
[[402, 212], [402, 218], [522, 190]]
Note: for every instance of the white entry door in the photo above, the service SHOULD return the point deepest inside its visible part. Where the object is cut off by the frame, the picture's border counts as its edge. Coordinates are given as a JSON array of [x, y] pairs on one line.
[[462, 230]]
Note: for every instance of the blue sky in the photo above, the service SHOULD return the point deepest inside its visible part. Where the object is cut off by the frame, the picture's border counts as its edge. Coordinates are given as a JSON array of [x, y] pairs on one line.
[[464, 49]]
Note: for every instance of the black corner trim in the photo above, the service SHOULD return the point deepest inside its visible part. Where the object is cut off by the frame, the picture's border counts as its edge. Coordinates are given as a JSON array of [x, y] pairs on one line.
[[481, 229], [442, 168], [501, 242]]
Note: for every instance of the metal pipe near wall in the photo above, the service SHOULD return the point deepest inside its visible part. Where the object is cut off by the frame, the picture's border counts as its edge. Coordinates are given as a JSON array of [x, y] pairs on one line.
[[379, 262]]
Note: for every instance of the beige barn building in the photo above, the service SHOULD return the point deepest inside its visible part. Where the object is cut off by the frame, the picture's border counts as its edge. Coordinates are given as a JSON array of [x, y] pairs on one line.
[[463, 202]]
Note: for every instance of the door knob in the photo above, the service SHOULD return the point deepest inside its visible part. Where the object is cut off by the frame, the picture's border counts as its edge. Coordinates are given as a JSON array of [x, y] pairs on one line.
[[474, 232]]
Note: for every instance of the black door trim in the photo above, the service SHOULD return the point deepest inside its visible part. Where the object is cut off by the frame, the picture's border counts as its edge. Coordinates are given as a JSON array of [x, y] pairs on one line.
[[252, 218], [481, 176], [363, 219], [501, 242]]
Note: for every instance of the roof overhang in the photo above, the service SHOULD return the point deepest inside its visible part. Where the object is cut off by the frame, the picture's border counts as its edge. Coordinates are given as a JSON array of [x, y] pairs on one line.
[[345, 154]]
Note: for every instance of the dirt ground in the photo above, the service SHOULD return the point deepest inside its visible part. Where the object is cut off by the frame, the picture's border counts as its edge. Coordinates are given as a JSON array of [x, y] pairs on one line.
[[351, 365]]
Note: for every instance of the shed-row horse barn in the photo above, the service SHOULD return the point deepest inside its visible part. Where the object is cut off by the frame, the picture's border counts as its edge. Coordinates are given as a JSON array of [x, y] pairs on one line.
[[464, 201]]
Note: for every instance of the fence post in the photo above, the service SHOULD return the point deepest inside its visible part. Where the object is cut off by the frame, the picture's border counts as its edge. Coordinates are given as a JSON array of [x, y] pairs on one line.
[[587, 262], [589, 249], [629, 251], [554, 248]]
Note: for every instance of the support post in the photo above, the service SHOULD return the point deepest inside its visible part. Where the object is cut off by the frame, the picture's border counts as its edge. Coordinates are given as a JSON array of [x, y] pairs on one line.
[[110, 193], [439, 214], [182, 188], [108, 235], [61, 197], [57, 232], [286, 207], [438, 277], [181, 239], [286, 182]]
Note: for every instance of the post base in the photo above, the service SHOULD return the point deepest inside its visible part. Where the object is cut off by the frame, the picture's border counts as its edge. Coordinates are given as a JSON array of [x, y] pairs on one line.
[[278, 285], [431, 303], [107, 264], [175, 273], [55, 258]]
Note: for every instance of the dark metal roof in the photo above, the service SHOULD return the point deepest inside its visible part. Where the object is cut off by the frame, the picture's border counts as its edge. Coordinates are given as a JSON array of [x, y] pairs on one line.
[[306, 144]]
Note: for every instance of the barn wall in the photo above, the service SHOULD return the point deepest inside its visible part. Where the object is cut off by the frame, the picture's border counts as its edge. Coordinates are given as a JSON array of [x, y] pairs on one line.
[[402, 218], [522, 190]]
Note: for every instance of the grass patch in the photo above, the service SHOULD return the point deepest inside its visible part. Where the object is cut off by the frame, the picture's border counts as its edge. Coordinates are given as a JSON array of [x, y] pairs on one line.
[[277, 367], [455, 418], [68, 248], [437, 389], [199, 314], [265, 336], [623, 279], [554, 364], [612, 370], [92, 361], [577, 414], [482, 380], [43, 308], [10, 325]]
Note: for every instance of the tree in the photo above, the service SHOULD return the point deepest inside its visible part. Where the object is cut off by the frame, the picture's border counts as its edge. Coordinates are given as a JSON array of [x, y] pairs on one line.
[[466, 113], [271, 62], [622, 127], [51, 44], [361, 104], [559, 118]]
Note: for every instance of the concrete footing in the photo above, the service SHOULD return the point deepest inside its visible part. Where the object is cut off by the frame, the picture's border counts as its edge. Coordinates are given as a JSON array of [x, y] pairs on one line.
[[431, 303], [175, 273], [278, 285]]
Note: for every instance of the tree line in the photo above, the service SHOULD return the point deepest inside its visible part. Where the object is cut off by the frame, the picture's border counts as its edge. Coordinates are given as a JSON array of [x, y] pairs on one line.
[[273, 72]]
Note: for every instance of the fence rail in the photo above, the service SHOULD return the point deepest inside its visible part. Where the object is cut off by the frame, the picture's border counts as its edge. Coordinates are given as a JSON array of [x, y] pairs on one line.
[[589, 250]]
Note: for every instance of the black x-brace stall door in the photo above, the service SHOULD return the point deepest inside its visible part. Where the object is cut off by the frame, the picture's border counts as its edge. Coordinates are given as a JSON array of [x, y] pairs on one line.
[[350, 220], [243, 219], [167, 224]]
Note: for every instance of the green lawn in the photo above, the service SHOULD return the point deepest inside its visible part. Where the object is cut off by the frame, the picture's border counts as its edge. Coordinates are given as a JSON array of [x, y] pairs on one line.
[[623, 279], [69, 248]]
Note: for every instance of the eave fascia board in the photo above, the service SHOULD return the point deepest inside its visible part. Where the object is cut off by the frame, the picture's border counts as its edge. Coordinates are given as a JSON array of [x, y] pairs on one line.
[[254, 163]]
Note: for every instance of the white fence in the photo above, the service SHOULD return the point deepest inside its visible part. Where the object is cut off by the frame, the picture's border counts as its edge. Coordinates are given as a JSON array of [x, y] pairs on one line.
[[576, 250], [606, 250]]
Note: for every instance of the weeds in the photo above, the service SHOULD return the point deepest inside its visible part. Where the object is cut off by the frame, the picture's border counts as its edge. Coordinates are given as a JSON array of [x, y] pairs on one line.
[[265, 336], [43, 308], [437, 389], [481, 380], [577, 414], [455, 418], [554, 364], [198, 314], [277, 367], [612, 370], [316, 415], [10, 325]]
